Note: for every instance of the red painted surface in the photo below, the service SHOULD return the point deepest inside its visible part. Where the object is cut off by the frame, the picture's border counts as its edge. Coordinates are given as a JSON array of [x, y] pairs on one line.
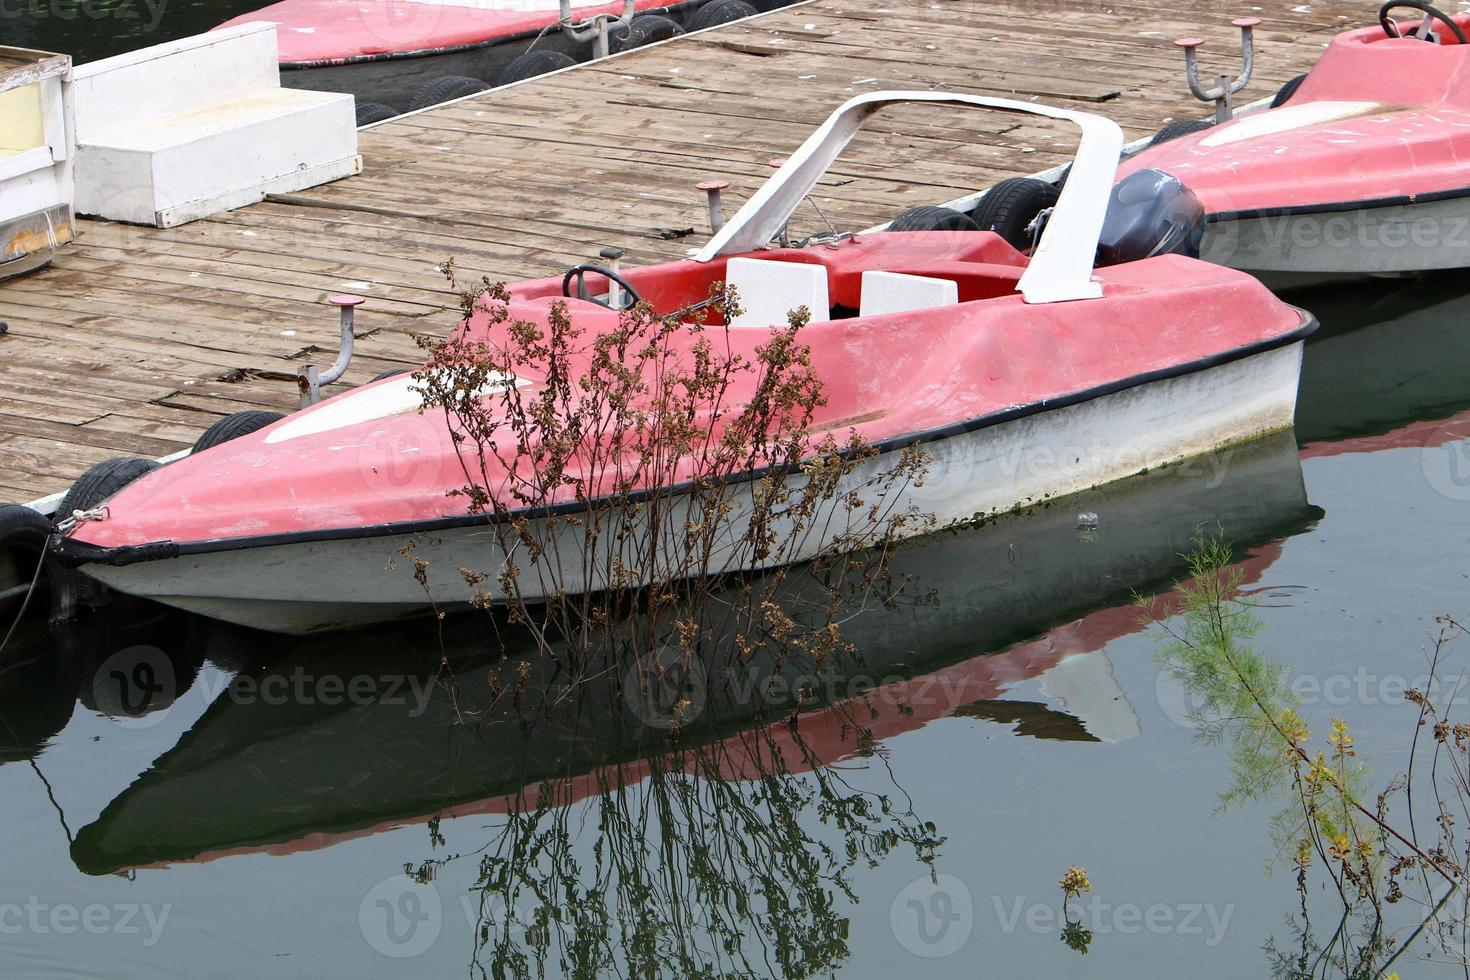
[[1423, 434], [1416, 142], [896, 374], [326, 32]]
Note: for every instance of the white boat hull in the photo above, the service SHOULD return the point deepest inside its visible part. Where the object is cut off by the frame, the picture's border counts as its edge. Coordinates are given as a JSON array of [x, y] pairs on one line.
[[330, 584], [1320, 245]]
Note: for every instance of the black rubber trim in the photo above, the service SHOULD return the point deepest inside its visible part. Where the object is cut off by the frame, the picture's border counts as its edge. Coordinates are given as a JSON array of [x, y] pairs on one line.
[[367, 59], [1293, 210], [72, 553], [75, 553]]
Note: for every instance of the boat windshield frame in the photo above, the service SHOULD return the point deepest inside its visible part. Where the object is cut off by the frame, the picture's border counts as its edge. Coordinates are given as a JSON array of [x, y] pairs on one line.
[[1061, 265]]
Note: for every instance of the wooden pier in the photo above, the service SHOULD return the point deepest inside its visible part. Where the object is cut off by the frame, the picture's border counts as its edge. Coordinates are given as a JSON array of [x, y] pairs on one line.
[[136, 339]]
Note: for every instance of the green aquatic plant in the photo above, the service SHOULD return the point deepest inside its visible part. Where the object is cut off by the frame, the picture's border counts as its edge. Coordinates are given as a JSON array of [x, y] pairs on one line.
[[1332, 822], [1075, 935]]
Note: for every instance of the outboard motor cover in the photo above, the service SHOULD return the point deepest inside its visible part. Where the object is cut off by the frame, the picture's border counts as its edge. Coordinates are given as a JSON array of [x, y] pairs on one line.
[[1150, 213]]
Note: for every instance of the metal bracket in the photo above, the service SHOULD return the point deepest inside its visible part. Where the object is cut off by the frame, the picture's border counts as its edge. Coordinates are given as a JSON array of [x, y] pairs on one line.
[[1225, 87], [612, 256], [308, 379], [712, 190], [596, 29]]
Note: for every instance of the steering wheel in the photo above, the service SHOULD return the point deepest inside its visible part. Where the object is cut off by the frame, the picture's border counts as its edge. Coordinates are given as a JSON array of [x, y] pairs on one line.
[[1422, 31], [579, 272]]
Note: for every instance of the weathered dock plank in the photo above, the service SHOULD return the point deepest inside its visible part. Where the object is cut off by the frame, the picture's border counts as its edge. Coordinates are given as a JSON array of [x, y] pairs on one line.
[[136, 339]]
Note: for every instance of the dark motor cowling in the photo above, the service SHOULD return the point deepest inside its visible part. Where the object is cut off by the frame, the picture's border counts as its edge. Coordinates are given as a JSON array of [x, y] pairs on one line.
[[1150, 213]]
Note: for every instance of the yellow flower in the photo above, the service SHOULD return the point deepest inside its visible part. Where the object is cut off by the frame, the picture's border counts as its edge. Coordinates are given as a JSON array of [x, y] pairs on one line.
[[1341, 737], [1075, 881]]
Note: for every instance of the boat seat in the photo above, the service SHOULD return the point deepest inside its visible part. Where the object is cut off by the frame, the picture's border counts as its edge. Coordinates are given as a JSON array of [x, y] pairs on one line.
[[895, 292], [768, 291]]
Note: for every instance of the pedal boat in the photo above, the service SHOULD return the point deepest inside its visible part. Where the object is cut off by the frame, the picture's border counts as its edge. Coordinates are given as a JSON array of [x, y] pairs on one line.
[[387, 51], [1024, 377], [1364, 169]]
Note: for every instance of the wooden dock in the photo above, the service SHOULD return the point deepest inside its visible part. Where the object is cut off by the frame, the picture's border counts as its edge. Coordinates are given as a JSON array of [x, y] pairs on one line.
[[136, 339]]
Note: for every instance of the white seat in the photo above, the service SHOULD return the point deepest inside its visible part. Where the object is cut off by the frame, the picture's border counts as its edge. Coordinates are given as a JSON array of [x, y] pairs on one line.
[[894, 292], [768, 291]]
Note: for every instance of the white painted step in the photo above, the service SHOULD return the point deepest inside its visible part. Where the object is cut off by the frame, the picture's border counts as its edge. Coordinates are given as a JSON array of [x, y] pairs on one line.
[[171, 170]]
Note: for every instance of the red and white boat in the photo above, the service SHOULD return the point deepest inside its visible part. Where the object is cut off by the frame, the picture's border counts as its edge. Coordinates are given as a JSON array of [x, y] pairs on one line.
[[404, 54], [1362, 169], [1024, 377]]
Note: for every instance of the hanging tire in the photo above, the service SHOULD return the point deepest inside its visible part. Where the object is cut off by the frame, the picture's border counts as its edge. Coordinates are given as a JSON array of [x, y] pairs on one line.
[[371, 112], [1178, 128], [444, 89], [102, 481], [72, 590], [713, 13], [1284, 94], [645, 29], [233, 427], [534, 63], [1009, 208], [23, 537], [393, 373], [928, 217]]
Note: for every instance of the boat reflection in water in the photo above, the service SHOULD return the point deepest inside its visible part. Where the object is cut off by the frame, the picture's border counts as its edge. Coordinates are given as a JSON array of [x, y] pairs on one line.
[[1388, 368], [341, 737]]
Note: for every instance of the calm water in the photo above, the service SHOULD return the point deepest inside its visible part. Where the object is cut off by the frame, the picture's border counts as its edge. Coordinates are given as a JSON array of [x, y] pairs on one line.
[[257, 817], [92, 29]]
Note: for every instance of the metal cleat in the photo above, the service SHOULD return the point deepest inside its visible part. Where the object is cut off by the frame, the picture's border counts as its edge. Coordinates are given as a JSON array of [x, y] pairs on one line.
[[1225, 87]]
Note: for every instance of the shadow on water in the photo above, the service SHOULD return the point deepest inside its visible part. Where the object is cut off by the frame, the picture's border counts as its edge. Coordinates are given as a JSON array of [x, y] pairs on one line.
[[606, 836], [1387, 361], [89, 30], [314, 740]]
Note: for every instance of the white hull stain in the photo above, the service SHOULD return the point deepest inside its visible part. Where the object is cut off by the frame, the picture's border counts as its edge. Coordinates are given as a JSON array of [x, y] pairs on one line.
[[1365, 241], [313, 586]]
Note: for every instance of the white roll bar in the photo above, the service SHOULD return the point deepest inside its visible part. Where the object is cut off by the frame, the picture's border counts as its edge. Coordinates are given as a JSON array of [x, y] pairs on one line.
[[1061, 265]]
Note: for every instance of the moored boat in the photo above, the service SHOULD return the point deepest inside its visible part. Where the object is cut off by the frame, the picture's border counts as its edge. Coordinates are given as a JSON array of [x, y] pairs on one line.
[[1022, 376], [1024, 597], [1361, 167], [394, 56]]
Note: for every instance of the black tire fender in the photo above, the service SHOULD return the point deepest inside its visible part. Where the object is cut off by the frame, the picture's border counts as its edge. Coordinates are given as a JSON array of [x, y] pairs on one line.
[[533, 63], [446, 88], [713, 13], [233, 427], [1009, 208], [930, 217]]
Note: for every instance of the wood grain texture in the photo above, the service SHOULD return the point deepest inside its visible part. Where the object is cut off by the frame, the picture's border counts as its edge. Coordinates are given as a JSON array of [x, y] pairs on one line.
[[136, 339]]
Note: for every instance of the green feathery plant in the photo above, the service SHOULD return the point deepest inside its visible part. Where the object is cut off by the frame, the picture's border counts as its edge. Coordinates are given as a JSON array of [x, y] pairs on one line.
[[1332, 822]]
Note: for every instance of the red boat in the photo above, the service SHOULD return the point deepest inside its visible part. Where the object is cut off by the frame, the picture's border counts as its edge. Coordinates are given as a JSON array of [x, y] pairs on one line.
[[1023, 376], [407, 54], [1361, 167]]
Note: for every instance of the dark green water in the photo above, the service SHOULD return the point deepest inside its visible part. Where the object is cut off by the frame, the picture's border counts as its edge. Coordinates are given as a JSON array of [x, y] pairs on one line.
[[259, 820], [92, 29]]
